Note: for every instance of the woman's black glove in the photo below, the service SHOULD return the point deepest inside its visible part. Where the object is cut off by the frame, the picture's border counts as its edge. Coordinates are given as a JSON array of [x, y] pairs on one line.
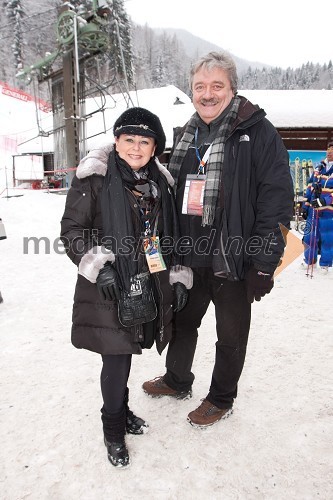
[[108, 283], [258, 284], [180, 294]]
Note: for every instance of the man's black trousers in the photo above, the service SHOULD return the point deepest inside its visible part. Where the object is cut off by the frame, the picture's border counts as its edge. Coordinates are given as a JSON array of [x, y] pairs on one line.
[[233, 316]]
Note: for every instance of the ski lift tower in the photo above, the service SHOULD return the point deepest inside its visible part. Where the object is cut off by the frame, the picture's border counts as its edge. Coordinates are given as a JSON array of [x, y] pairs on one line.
[[80, 36]]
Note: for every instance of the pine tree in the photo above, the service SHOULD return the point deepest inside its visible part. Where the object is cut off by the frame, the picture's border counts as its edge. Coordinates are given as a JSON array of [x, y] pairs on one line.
[[81, 5], [15, 13], [121, 41]]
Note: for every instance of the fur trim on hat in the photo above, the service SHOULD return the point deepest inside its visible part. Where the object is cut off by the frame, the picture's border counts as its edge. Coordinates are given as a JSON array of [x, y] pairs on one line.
[[93, 261], [181, 274]]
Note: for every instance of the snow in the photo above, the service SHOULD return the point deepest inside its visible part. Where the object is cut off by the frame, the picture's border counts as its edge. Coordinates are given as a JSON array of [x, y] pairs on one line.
[[284, 108], [276, 445], [294, 108], [159, 100]]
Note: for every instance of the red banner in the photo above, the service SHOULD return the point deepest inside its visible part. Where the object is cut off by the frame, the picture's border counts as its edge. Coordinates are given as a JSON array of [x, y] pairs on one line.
[[23, 96]]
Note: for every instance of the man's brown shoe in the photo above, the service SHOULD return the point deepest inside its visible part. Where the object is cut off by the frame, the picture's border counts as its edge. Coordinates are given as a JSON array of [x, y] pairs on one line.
[[207, 414], [158, 388]]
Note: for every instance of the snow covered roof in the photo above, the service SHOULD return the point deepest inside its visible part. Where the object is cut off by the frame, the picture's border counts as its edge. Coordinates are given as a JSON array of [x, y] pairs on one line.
[[160, 101], [284, 108], [294, 108]]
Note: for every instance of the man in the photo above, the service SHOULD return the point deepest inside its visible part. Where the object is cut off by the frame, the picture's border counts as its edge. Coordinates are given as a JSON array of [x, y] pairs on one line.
[[318, 211], [230, 222]]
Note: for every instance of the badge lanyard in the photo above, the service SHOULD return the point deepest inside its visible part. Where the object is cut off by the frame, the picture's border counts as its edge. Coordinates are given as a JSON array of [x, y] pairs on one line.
[[151, 247], [204, 159], [195, 184]]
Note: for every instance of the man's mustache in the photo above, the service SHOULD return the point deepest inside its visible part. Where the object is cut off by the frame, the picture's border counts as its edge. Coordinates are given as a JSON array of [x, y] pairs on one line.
[[209, 101]]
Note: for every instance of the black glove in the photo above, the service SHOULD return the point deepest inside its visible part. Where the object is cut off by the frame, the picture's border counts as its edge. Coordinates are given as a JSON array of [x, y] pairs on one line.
[[317, 189], [180, 296], [304, 213], [258, 284], [321, 166], [318, 202], [108, 283]]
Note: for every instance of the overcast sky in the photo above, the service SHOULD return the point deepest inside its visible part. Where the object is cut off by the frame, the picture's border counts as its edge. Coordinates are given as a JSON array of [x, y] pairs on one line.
[[281, 33]]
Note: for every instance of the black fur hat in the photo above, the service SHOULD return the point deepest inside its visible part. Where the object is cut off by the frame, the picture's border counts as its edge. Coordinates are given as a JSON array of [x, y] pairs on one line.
[[141, 121]]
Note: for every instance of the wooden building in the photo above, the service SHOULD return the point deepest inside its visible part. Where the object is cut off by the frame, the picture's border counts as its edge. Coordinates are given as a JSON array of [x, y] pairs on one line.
[[304, 118]]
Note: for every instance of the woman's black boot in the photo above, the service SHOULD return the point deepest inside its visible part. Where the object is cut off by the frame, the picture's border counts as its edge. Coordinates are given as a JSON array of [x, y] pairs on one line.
[[114, 428], [134, 424]]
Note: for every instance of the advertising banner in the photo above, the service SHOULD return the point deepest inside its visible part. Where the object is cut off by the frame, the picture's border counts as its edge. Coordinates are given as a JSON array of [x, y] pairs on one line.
[[24, 97], [302, 164]]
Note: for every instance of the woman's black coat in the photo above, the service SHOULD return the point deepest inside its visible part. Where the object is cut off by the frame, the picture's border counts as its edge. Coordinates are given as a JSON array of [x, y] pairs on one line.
[[95, 322]]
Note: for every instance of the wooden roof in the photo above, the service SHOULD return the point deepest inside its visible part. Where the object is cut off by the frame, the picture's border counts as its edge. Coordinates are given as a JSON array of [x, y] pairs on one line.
[[306, 138]]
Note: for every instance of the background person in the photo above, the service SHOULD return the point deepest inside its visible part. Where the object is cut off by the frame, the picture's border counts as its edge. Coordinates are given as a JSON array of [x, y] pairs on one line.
[[118, 194], [246, 194], [318, 212]]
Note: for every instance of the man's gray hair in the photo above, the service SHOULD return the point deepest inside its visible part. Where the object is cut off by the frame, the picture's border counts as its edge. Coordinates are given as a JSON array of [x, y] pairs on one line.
[[220, 60]]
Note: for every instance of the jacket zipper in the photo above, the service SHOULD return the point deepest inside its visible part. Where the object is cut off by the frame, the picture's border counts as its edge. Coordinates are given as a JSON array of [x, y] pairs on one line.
[[224, 255]]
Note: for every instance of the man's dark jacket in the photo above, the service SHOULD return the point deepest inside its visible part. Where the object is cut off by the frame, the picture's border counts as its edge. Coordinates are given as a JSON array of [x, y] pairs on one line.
[[257, 194]]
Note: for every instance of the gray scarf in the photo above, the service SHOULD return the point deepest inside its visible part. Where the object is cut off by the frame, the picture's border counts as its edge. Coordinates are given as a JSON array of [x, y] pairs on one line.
[[214, 165]]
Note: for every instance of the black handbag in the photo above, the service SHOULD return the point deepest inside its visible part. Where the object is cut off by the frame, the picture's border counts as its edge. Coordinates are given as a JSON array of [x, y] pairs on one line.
[[137, 306]]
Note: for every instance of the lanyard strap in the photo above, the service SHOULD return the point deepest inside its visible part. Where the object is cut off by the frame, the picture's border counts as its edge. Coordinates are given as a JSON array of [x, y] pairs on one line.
[[204, 159], [148, 228]]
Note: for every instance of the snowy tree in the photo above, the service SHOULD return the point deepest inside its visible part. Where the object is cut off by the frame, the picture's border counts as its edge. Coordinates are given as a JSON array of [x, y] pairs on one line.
[[147, 57], [15, 13], [121, 41], [159, 59], [143, 43], [81, 6]]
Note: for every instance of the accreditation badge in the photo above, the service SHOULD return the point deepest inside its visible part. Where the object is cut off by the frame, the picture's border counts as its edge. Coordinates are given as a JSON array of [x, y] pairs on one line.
[[151, 247], [194, 194]]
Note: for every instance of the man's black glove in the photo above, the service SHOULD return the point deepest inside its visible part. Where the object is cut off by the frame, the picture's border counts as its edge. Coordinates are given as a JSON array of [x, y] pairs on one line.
[[318, 202], [180, 294], [304, 213], [258, 284], [108, 283]]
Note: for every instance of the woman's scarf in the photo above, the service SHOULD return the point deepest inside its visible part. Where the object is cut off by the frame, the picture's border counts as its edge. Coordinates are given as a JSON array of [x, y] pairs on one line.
[[117, 214], [215, 163]]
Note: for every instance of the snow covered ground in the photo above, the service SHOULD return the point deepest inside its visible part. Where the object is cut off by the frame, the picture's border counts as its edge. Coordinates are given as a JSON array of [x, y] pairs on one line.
[[276, 445]]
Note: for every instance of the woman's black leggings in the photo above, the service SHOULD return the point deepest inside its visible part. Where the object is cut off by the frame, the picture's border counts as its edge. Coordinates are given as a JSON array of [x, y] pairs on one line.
[[114, 377]]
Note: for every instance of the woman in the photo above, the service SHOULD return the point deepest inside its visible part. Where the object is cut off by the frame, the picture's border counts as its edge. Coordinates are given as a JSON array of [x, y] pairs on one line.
[[119, 205]]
